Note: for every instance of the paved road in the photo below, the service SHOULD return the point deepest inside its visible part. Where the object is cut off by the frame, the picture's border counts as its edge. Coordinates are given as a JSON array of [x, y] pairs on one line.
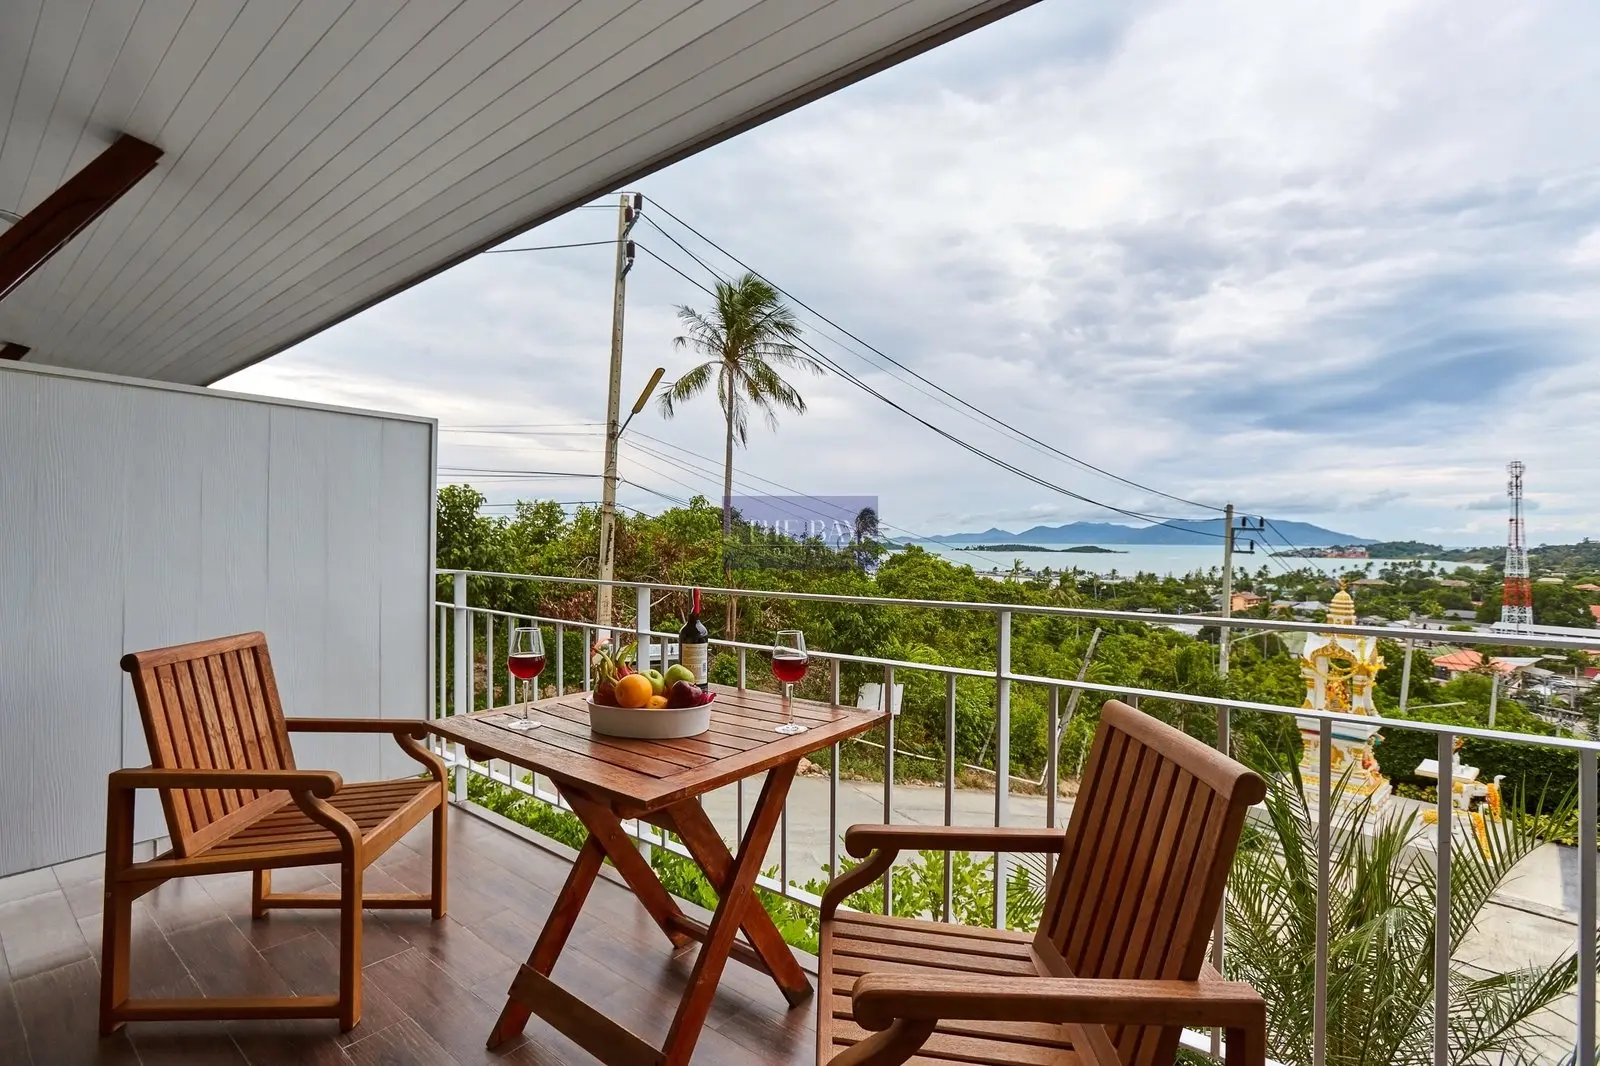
[[862, 801]]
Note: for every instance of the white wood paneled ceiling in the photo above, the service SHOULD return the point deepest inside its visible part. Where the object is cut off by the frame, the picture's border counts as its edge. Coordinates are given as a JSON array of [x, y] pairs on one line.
[[321, 155]]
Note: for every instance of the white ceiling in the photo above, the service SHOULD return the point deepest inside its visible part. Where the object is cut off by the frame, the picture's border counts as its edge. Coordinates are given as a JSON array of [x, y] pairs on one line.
[[321, 155]]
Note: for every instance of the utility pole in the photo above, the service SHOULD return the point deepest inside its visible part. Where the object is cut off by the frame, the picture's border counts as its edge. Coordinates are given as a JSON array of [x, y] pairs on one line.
[[1227, 588], [628, 208]]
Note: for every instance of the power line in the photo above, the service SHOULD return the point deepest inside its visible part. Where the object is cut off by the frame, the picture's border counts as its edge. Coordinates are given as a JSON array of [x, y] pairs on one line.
[[974, 449], [1002, 424]]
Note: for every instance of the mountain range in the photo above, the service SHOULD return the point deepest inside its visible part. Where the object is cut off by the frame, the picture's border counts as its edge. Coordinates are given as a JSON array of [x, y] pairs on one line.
[[1298, 534]]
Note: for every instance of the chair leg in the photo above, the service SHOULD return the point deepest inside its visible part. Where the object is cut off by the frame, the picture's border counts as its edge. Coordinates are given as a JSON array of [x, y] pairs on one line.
[[441, 821], [116, 923], [260, 886], [116, 928], [349, 944]]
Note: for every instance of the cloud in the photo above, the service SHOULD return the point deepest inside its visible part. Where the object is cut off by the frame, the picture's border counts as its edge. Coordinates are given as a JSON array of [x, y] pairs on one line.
[[1317, 262], [1498, 503]]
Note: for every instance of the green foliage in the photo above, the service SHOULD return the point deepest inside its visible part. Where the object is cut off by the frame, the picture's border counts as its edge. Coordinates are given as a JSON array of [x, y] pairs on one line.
[[1380, 938], [1538, 780], [1553, 605]]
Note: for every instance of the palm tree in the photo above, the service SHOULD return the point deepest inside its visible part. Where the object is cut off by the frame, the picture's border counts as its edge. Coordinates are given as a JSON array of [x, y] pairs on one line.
[[745, 339], [1380, 941]]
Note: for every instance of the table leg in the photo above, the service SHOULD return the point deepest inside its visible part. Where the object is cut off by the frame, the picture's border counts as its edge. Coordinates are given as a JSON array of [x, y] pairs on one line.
[[737, 897], [604, 825], [563, 916], [705, 846]]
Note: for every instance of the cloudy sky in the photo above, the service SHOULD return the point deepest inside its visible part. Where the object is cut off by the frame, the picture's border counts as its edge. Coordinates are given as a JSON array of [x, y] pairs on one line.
[[1336, 263]]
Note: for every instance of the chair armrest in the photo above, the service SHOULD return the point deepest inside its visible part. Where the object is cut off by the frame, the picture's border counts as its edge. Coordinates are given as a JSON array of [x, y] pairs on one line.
[[881, 999], [410, 727], [861, 840], [321, 783]]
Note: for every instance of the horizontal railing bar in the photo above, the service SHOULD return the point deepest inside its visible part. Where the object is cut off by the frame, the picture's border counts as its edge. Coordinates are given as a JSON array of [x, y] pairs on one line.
[[1537, 740], [1399, 633]]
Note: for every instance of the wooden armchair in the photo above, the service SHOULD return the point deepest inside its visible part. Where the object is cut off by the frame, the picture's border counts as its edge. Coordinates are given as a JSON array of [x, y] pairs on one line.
[[234, 801], [1117, 968]]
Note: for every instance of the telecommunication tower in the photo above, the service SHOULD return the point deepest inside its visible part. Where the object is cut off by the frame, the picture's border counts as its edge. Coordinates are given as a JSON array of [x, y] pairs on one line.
[[1516, 603]]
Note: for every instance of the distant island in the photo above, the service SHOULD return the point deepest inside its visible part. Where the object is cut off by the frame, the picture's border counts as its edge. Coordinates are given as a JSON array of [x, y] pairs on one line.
[[1086, 549], [1198, 531]]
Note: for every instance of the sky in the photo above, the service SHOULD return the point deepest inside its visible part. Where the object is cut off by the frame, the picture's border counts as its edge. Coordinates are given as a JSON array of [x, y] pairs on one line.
[[1334, 263]]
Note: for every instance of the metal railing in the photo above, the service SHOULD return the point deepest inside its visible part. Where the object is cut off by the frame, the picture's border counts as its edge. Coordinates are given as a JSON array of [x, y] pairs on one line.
[[457, 661]]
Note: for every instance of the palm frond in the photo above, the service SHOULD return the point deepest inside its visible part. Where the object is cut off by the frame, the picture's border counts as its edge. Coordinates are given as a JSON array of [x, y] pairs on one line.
[[687, 387]]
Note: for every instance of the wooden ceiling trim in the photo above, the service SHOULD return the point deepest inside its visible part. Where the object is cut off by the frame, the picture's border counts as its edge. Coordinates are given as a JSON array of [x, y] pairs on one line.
[[64, 213]]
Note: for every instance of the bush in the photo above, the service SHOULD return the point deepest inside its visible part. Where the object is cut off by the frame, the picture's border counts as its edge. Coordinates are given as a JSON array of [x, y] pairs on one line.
[[1538, 780]]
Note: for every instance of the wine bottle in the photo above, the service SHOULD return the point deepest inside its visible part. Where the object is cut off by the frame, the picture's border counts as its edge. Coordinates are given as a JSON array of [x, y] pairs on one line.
[[692, 643]]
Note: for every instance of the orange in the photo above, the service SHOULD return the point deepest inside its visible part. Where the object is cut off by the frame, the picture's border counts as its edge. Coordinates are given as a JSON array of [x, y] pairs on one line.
[[657, 702], [634, 691]]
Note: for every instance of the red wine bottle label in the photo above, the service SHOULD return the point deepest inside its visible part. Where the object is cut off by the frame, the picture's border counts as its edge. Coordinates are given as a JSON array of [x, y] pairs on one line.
[[694, 657]]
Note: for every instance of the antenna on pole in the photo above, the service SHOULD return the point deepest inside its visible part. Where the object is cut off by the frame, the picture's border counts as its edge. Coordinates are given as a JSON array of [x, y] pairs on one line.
[[1516, 601]]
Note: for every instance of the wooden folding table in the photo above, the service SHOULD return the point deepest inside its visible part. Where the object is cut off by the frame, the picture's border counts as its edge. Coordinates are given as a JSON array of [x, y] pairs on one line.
[[607, 780]]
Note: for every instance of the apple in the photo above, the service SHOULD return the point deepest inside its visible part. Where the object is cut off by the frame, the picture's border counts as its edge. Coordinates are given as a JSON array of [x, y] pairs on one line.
[[658, 683], [683, 694], [679, 672]]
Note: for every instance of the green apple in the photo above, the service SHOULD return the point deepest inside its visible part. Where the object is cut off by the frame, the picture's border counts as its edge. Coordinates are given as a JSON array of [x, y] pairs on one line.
[[678, 672], [658, 683]]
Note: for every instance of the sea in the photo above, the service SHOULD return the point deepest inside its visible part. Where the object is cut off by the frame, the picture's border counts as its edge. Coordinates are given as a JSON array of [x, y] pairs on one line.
[[1161, 559]]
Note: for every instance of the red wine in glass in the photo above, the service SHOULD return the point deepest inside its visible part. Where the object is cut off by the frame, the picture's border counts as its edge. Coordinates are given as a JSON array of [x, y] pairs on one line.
[[789, 667], [525, 667], [789, 662], [525, 661]]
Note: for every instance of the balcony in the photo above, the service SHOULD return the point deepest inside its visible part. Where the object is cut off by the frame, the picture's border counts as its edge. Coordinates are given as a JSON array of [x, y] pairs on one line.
[[433, 990]]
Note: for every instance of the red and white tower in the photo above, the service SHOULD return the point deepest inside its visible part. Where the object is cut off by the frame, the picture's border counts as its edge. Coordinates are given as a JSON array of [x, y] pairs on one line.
[[1516, 604]]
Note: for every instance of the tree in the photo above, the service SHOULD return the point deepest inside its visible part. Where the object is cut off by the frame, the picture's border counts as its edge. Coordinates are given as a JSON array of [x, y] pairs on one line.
[[1553, 605], [747, 337], [1382, 919]]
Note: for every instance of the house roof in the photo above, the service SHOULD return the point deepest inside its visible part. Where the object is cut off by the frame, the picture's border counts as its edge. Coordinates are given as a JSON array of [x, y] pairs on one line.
[[1594, 609], [1460, 659], [317, 158]]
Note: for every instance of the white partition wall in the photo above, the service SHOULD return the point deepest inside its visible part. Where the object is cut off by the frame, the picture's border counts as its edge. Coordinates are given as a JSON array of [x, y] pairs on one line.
[[134, 515]]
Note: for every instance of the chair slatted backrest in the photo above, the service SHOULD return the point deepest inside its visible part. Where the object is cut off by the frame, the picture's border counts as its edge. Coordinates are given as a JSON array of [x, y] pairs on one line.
[[210, 705], [1145, 860]]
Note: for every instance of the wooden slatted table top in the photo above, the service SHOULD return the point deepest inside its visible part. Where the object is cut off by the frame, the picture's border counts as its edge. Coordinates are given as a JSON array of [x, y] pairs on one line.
[[640, 776]]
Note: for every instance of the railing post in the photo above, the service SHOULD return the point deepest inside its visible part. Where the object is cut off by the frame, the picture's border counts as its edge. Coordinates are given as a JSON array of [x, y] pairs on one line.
[[561, 659], [1405, 674], [587, 639], [641, 627], [741, 670], [1587, 785], [1052, 772], [833, 783], [1219, 934], [1441, 902], [1319, 1001], [949, 791], [1002, 756], [888, 776], [463, 670]]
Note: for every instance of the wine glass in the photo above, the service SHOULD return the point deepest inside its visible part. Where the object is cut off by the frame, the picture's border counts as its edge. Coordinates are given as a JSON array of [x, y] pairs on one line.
[[525, 660], [789, 662]]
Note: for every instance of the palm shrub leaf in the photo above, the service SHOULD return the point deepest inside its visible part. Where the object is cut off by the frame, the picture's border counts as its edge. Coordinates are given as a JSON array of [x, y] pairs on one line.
[[1382, 918]]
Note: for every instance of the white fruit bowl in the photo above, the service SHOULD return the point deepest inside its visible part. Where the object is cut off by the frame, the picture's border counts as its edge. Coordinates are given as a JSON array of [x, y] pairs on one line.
[[647, 723]]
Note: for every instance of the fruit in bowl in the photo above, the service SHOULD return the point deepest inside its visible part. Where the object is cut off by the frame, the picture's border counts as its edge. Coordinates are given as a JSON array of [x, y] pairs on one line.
[[634, 691], [682, 694], [611, 671], [677, 672]]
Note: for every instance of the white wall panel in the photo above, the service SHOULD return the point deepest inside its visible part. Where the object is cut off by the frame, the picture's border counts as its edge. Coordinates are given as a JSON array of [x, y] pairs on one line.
[[135, 516]]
